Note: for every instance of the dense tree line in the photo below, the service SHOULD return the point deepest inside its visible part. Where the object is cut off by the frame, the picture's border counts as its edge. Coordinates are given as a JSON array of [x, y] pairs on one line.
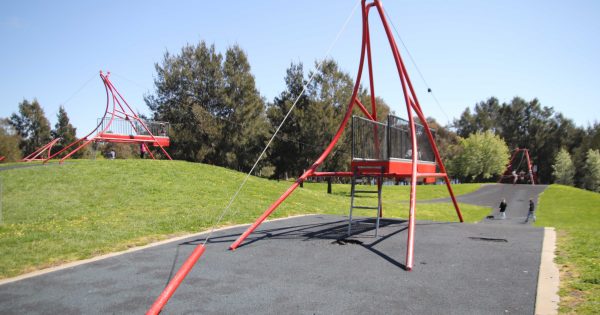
[[542, 130], [218, 116]]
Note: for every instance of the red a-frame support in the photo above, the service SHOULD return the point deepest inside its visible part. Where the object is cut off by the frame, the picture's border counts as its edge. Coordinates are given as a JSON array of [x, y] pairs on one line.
[[412, 104], [122, 112], [38, 155], [510, 174]]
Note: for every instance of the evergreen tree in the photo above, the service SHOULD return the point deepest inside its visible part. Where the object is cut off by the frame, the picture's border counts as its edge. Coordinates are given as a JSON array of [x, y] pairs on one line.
[[329, 92], [9, 142], [244, 136], [563, 168], [592, 168], [65, 131], [287, 149], [190, 95], [485, 118], [31, 125]]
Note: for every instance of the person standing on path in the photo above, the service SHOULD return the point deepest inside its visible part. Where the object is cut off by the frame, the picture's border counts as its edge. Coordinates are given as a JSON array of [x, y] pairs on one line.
[[531, 213], [503, 209]]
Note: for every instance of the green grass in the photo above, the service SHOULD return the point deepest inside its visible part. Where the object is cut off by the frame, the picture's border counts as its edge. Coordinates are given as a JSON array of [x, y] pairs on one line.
[[400, 193], [575, 214], [58, 213]]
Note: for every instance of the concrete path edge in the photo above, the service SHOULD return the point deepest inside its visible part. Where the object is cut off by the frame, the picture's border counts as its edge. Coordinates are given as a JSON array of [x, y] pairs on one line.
[[546, 302]]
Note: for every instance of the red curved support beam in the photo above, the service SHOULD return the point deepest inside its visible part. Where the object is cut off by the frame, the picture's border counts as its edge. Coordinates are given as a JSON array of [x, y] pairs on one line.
[[89, 134]]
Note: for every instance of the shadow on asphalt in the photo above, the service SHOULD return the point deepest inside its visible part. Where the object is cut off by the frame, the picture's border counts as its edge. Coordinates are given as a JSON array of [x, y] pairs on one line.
[[362, 229]]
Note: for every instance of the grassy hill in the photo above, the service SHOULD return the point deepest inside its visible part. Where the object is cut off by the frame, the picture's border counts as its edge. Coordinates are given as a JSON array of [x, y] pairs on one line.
[[575, 213], [58, 213]]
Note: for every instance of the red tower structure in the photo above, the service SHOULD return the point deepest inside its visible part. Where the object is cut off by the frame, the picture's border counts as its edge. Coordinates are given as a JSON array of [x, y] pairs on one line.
[[120, 124], [386, 166], [391, 168]]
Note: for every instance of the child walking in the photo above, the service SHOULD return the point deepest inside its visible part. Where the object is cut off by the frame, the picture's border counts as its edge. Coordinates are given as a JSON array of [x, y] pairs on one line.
[[503, 209]]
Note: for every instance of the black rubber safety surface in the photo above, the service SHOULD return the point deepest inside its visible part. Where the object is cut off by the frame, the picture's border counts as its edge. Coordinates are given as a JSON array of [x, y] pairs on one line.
[[307, 265]]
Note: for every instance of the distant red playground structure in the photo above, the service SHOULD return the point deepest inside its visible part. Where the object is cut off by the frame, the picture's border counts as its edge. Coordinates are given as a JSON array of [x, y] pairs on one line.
[[514, 174], [119, 124]]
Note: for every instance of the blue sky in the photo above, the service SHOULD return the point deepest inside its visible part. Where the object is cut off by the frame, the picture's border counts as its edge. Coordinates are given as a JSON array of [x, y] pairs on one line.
[[466, 50]]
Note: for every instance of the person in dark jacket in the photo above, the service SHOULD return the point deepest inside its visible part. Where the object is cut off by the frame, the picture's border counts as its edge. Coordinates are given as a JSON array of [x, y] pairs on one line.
[[531, 213], [503, 209]]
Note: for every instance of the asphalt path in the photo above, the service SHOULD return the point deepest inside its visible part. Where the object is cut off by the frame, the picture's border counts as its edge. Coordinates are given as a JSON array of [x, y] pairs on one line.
[[307, 265], [490, 195]]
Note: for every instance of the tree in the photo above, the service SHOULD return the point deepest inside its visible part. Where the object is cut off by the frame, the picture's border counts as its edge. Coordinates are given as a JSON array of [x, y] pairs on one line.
[[329, 93], [190, 95], [480, 156], [286, 150], [592, 168], [31, 125], [9, 142], [64, 130], [445, 139], [589, 140], [563, 168], [245, 133], [485, 118]]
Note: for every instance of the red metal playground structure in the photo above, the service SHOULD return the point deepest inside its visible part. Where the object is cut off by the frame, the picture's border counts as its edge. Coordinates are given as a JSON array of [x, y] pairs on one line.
[[517, 173], [119, 124], [42, 153], [376, 162]]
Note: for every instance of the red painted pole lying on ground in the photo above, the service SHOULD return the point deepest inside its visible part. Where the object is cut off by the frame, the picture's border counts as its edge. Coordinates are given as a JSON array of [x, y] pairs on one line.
[[166, 294]]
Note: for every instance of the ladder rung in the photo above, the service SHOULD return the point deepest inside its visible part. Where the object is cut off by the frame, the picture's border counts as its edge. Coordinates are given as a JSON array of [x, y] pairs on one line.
[[366, 191], [363, 207]]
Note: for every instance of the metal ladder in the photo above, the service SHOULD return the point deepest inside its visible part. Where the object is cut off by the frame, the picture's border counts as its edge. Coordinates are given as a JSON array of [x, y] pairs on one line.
[[358, 173]]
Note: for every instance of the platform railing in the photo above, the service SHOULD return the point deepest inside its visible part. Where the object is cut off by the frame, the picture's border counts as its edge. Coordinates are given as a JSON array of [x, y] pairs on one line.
[[134, 128], [373, 140]]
